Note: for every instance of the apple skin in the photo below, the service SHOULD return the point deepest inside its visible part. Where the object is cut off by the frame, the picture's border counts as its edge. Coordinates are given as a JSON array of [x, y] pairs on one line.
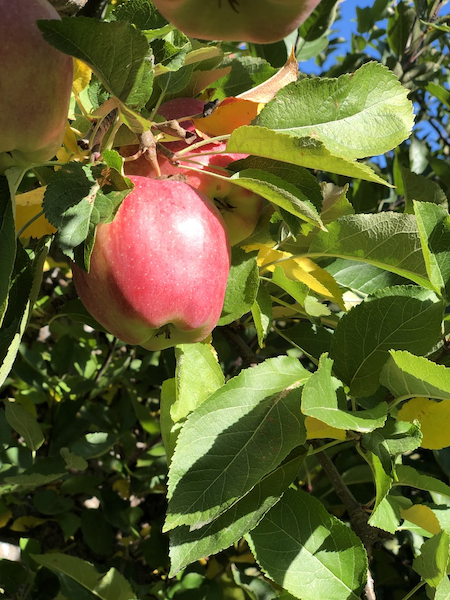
[[159, 271], [240, 208], [35, 85], [257, 21]]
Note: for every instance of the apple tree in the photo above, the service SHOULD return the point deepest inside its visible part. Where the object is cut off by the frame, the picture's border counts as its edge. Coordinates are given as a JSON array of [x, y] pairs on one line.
[[224, 291]]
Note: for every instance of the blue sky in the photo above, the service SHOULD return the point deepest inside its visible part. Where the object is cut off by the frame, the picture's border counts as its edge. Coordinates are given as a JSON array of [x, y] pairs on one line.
[[343, 27]]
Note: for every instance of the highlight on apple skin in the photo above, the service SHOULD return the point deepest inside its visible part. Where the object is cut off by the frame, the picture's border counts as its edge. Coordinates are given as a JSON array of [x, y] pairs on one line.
[[257, 21], [35, 85], [240, 208], [159, 271]]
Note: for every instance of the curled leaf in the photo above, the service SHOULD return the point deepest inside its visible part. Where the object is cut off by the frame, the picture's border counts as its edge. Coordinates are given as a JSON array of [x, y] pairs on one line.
[[228, 116], [265, 91]]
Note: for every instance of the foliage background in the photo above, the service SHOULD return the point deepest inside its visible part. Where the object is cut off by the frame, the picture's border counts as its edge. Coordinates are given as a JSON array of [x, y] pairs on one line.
[[83, 470]]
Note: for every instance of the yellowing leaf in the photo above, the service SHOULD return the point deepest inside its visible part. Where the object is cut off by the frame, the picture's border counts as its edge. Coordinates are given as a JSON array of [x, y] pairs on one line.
[[434, 419], [27, 523], [422, 516], [81, 76], [228, 116], [51, 263], [70, 149], [145, 531], [122, 487], [5, 517], [28, 205], [265, 91], [301, 269], [316, 430]]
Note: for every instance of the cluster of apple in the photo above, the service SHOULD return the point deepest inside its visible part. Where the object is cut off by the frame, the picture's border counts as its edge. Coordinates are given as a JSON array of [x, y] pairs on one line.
[[159, 271]]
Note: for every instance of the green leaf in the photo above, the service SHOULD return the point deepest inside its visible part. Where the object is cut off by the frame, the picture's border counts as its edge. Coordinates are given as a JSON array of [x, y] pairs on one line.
[[74, 203], [407, 375], [97, 531], [236, 437], [169, 429], [246, 72], [362, 278], [386, 512], [386, 240], [420, 188], [442, 590], [335, 202], [409, 476], [439, 92], [41, 473], [262, 314], [111, 586], [400, 27], [361, 114], [307, 185], [142, 14], [117, 52], [279, 192], [398, 318], [49, 502], [303, 151], [386, 515], [7, 244], [434, 229], [311, 339], [311, 554], [25, 424], [388, 442], [73, 461], [26, 281], [322, 396], [188, 546], [296, 289], [242, 286], [433, 561], [93, 445], [198, 375]]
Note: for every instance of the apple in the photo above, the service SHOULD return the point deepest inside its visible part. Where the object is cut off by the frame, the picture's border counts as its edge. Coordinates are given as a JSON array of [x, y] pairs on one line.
[[35, 85], [159, 271], [240, 208], [258, 21]]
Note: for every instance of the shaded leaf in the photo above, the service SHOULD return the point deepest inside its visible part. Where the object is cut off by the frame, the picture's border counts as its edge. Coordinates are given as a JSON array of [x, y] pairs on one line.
[[307, 551], [236, 437]]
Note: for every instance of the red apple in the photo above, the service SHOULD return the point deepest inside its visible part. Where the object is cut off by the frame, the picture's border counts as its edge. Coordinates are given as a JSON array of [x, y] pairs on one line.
[[240, 208], [258, 21], [159, 271], [35, 85]]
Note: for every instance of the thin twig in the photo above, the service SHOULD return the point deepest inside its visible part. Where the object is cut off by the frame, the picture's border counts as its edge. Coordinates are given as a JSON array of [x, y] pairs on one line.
[[358, 517], [249, 358], [369, 590]]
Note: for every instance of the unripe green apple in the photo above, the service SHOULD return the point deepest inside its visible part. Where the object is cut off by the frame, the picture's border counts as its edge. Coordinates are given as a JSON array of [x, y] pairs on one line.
[[258, 21], [159, 271], [35, 85], [240, 208]]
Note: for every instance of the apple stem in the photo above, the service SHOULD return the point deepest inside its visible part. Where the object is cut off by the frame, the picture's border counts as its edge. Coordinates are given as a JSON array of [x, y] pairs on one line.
[[188, 149]]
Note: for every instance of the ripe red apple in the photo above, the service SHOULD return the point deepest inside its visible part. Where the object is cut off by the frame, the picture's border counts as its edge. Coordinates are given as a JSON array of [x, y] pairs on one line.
[[159, 271], [35, 85], [240, 208], [258, 21]]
